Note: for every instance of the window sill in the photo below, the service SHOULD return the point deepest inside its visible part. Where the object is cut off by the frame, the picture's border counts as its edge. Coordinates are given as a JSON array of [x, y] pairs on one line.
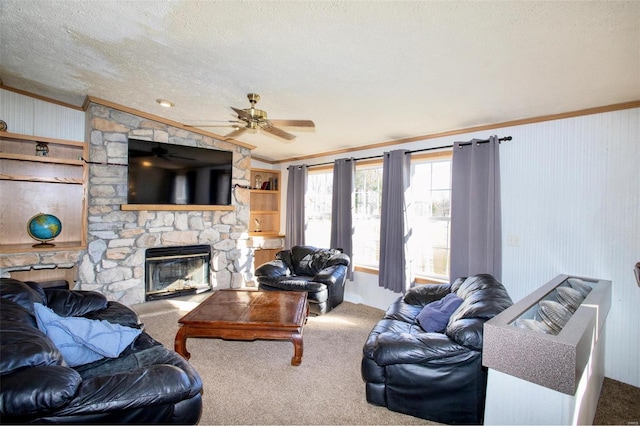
[[423, 279]]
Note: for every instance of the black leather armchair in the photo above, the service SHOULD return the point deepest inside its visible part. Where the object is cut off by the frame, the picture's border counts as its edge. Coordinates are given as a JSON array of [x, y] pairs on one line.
[[146, 384], [319, 272], [434, 376]]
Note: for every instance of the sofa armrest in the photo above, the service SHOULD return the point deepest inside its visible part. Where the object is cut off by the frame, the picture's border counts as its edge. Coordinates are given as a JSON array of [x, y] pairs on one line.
[[339, 259], [331, 274], [142, 387], [408, 348], [274, 268], [426, 293], [37, 390]]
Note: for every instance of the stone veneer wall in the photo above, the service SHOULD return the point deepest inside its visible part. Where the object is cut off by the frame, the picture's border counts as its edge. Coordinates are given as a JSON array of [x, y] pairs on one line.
[[116, 240]]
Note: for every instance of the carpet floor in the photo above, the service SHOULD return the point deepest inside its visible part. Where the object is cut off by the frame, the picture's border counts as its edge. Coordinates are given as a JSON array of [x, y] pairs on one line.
[[253, 383]]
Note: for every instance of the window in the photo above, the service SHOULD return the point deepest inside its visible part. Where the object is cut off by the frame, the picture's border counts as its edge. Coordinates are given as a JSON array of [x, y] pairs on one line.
[[430, 217], [429, 213], [366, 216], [317, 206]]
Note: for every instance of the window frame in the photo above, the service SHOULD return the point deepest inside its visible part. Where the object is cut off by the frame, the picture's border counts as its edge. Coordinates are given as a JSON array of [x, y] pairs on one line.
[[416, 157]]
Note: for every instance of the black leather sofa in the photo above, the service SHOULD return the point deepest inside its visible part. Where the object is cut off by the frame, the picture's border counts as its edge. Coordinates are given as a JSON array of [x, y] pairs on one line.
[[431, 375], [320, 272], [145, 384]]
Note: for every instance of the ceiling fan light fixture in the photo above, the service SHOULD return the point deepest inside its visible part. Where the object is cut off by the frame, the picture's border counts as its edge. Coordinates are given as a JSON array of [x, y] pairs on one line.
[[165, 103]]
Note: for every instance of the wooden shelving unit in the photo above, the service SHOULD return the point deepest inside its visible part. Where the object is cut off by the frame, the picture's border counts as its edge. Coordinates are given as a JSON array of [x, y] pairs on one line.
[[32, 184], [265, 203]]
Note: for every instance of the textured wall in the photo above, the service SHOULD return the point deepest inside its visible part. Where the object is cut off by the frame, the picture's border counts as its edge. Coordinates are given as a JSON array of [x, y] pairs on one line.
[[571, 205]]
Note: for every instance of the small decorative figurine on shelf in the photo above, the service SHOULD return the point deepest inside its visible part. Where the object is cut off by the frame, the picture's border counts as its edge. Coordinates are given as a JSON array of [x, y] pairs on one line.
[[258, 182], [258, 223], [42, 149]]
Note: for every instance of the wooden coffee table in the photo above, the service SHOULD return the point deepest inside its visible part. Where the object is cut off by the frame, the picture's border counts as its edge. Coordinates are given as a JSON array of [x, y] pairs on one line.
[[247, 315]]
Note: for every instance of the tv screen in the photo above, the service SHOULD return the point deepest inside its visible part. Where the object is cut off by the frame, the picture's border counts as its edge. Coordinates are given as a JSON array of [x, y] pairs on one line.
[[162, 173]]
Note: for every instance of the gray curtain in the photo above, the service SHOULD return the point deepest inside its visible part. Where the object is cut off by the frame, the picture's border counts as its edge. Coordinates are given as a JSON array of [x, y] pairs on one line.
[[476, 234], [394, 234], [344, 174], [296, 189]]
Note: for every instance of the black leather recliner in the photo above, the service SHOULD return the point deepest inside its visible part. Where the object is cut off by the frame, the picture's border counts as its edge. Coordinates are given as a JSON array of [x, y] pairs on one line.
[[434, 376], [319, 272], [146, 384]]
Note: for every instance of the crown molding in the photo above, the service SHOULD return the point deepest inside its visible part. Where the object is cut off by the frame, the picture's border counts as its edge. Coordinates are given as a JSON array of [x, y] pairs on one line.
[[484, 127]]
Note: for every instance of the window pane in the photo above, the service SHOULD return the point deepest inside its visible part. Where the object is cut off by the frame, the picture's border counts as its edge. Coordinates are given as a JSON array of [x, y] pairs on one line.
[[429, 218], [318, 208], [366, 220], [441, 175]]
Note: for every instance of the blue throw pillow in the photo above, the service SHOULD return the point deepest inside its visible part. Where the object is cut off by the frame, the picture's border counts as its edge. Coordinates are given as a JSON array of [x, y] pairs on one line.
[[433, 318], [82, 340]]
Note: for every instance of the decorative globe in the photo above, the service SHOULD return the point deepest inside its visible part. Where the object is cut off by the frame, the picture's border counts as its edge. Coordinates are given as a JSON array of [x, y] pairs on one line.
[[44, 227]]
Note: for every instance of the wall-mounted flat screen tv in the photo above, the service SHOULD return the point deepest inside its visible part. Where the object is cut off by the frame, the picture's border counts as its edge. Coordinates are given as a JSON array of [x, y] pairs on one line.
[[163, 173]]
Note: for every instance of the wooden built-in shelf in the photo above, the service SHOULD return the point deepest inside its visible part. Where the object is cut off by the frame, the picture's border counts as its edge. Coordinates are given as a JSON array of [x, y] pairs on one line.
[[265, 203], [30, 184], [264, 191], [24, 178], [266, 234], [38, 159], [30, 138]]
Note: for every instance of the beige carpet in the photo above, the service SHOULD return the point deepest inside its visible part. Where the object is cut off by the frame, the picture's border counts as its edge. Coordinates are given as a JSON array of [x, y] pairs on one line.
[[253, 383]]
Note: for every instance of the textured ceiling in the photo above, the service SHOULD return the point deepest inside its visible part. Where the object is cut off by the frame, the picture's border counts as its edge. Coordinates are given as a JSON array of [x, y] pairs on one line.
[[365, 72]]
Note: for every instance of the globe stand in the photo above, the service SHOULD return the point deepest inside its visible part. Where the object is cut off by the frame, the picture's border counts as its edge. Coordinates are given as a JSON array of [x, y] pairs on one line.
[[43, 244]]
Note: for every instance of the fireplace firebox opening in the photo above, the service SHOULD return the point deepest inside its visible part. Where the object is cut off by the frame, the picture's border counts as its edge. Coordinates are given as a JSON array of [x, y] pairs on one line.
[[177, 271]]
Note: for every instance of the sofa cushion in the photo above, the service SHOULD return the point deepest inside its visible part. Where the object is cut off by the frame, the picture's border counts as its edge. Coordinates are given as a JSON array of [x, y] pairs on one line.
[[12, 312], [433, 318], [308, 260], [82, 340], [74, 303], [116, 313], [295, 283], [426, 293], [21, 293], [25, 346]]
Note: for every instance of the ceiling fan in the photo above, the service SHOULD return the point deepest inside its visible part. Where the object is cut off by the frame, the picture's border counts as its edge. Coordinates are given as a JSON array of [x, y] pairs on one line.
[[256, 119]]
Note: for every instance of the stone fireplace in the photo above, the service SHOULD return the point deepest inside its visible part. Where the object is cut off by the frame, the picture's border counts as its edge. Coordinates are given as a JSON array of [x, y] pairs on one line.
[[118, 238]]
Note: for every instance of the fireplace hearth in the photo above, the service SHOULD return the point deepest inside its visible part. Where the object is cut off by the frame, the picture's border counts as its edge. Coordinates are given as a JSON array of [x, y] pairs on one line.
[[177, 271]]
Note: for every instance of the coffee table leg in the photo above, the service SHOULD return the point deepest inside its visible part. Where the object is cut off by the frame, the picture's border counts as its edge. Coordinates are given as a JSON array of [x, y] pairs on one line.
[[296, 339], [180, 344]]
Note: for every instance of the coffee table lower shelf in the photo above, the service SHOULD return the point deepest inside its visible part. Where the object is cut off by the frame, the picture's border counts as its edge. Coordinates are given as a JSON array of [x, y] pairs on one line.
[[247, 315]]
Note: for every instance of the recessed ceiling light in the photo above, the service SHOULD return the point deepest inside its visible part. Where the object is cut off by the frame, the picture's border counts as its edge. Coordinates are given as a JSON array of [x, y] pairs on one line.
[[164, 103]]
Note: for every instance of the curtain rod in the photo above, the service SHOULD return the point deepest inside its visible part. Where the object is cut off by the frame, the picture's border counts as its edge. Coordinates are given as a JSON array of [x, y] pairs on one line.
[[506, 138]]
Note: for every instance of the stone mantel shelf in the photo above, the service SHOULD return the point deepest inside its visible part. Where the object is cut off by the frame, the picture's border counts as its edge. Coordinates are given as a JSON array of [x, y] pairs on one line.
[[173, 207], [60, 256], [29, 248]]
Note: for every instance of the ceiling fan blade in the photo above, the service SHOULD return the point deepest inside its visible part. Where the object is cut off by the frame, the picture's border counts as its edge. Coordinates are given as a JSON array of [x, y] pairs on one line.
[[278, 132], [293, 123], [210, 125], [236, 133], [214, 123], [241, 113]]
